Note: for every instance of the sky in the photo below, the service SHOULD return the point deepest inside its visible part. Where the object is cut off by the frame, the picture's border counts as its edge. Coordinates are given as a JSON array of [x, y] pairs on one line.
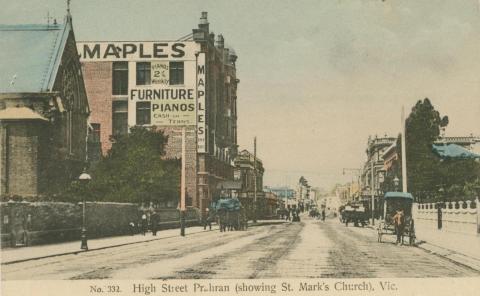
[[317, 77]]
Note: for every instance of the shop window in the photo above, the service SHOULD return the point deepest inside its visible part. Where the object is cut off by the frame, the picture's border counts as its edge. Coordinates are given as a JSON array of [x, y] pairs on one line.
[[119, 118], [143, 73], [176, 73], [120, 78], [143, 113]]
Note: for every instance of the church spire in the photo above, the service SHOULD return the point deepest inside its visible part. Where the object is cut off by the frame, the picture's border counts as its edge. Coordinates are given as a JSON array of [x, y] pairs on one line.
[[69, 16]]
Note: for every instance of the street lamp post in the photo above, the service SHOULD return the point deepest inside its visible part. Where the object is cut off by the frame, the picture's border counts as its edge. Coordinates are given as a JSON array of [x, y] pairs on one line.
[[396, 182], [84, 179]]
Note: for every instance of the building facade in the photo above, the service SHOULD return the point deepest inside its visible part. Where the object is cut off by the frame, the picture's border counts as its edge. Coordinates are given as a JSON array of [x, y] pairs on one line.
[[284, 194], [248, 170], [186, 84], [376, 147], [43, 109]]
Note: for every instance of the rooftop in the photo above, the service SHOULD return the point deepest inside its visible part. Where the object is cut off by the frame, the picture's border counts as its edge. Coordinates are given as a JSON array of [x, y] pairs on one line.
[[30, 56]]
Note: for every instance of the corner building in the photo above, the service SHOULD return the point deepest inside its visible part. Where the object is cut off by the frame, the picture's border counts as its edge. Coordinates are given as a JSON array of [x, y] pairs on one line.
[[190, 83]]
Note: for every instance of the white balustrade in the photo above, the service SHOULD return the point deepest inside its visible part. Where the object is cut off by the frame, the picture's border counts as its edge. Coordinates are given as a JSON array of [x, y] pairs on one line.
[[456, 216]]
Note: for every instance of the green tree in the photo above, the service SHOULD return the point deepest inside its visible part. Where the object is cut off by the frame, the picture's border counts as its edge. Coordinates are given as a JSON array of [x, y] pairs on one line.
[[426, 172], [134, 170], [423, 127]]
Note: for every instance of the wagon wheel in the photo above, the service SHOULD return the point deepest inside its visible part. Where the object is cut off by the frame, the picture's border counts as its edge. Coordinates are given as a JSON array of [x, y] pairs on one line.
[[411, 233]]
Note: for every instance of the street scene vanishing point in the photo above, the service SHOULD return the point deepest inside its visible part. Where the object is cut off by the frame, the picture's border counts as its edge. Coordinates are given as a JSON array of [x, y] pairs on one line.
[[168, 141]]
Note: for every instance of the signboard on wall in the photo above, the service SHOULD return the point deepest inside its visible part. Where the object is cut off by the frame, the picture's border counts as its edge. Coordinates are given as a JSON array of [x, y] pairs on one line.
[[129, 51], [201, 118], [160, 73], [168, 106]]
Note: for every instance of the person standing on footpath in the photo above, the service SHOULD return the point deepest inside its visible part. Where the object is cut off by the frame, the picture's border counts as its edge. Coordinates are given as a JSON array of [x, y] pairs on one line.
[[208, 220], [144, 224], [154, 220]]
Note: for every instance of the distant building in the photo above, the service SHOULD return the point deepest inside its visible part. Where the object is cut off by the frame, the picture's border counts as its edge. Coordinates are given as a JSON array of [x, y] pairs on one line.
[[189, 83], [249, 170], [303, 194], [285, 194], [43, 109], [270, 205], [375, 149]]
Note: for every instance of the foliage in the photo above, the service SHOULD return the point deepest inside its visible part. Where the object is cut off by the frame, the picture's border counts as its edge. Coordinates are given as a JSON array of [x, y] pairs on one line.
[[134, 171], [429, 177]]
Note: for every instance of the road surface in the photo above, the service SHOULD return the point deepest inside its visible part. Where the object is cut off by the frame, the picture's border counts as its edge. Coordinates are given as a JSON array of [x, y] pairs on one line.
[[311, 249]]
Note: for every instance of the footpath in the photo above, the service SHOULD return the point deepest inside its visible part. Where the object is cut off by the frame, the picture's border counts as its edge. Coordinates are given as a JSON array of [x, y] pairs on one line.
[[460, 248], [17, 255], [457, 247]]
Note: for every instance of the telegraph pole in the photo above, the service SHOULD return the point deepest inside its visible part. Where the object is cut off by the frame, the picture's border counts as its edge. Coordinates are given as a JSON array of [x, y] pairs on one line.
[[404, 153], [255, 179], [182, 188]]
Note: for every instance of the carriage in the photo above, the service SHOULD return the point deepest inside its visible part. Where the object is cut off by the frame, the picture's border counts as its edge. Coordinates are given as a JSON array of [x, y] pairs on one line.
[[230, 214], [356, 212], [398, 220]]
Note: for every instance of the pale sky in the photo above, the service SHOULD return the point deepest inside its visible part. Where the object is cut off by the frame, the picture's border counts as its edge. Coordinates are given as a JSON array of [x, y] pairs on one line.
[[317, 77]]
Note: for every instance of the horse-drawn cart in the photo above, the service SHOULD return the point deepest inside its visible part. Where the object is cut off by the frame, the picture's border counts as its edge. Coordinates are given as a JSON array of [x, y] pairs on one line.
[[398, 218], [356, 212], [230, 214]]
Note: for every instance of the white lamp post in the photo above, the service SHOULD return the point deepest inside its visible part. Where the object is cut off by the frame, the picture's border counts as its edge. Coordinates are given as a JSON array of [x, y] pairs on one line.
[[84, 180]]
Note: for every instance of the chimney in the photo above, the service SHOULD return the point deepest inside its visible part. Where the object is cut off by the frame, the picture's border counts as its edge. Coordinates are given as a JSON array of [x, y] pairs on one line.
[[203, 25], [220, 43]]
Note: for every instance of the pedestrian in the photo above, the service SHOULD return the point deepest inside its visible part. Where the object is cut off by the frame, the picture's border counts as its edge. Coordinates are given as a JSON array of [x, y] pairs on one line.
[[208, 220], [287, 215], [131, 227], [144, 224], [154, 219], [323, 215]]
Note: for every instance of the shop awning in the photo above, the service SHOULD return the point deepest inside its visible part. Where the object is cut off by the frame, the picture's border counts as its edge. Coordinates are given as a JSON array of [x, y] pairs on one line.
[[453, 151]]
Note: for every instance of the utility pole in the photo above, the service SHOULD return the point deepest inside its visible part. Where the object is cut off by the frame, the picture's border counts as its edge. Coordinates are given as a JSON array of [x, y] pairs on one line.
[[182, 188], [404, 153], [372, 189], [255, 179]]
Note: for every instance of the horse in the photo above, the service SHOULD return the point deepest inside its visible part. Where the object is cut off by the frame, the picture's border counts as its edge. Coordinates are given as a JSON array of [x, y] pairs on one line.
[[222, 220], [399, 223]]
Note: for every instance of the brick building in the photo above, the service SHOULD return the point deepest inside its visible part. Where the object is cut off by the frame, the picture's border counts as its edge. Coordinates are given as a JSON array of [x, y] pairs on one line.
[[43, 109], [190, 83]]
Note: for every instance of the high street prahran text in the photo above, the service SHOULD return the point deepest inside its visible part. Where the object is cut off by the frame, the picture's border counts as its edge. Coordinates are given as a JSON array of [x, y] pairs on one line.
[[246, 287]]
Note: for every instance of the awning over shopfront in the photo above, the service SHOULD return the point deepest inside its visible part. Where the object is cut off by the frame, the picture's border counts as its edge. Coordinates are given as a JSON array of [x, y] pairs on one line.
[[453, 151]]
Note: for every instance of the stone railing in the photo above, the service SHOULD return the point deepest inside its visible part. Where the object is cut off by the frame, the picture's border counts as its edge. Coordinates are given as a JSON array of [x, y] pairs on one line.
[[460, 216]]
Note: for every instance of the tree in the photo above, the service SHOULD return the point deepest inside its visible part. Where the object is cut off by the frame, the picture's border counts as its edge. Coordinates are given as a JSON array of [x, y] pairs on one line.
[[134, 170], [423, 127], [426, 172]]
